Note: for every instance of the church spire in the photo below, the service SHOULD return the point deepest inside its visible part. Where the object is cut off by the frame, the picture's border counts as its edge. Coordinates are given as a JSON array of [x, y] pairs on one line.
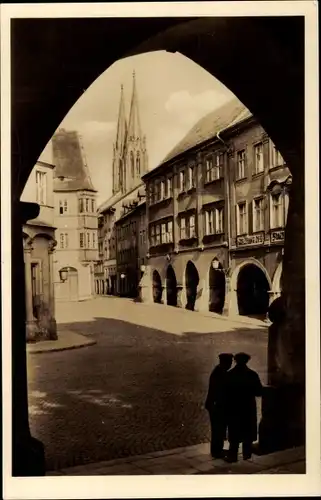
[[121, 125], [134, 129]]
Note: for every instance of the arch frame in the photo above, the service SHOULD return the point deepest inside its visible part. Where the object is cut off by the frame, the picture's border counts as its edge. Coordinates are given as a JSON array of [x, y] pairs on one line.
[[232, 302]]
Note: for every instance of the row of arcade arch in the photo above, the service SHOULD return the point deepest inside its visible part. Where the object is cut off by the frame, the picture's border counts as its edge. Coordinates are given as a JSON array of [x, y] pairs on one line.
[[251, 289]]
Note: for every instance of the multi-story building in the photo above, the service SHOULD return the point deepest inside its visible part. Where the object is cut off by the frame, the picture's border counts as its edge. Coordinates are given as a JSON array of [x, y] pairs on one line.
[[216, 210], [130, 162], [131, 249], [39, 244], [75, 217]]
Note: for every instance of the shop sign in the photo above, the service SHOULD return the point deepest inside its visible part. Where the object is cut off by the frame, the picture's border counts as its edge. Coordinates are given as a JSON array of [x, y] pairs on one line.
[[248, 240]]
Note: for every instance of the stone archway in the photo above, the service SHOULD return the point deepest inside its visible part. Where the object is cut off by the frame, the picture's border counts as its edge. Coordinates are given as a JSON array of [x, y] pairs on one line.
[[252, 291], [261, 93], [171, 287], [157, 287], [216, 289], [191, 283]]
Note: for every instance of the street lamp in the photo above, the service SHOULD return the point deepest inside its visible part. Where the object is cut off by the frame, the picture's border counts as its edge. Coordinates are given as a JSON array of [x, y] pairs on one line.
[[215, 264], [63, 274], [123, 276]]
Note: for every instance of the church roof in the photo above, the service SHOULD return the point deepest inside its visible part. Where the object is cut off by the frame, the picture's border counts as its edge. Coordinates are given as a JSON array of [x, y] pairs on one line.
[[122, 123], [134, 127], [71, 172], [206, 128]]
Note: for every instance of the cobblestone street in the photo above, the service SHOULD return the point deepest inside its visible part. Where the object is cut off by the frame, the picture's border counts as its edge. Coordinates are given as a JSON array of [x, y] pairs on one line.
[[140, 388]]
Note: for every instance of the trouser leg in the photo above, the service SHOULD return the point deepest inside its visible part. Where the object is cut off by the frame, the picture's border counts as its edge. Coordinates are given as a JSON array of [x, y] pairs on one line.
[[217, 437], [233, 451], [247, 449]]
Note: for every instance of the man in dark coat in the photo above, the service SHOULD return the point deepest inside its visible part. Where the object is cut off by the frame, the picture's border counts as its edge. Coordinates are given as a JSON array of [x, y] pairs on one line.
[[215, 404], [243, 385]]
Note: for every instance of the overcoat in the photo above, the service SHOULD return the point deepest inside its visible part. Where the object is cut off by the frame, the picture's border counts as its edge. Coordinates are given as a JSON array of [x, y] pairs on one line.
[[243, 385], [215, 402]]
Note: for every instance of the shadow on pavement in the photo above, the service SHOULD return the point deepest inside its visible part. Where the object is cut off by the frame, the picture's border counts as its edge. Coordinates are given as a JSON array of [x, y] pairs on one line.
[[137, 390]]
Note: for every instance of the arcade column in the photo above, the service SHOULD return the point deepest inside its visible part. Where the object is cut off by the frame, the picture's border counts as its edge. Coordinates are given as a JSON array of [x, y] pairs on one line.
[[283, 404], [28, 458]]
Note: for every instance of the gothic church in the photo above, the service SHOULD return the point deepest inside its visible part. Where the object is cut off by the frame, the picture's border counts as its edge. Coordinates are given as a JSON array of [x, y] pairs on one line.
[[130, 160]]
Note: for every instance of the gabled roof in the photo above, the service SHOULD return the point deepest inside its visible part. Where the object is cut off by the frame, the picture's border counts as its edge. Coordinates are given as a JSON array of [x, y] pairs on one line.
[[207, 127], [71, 173]]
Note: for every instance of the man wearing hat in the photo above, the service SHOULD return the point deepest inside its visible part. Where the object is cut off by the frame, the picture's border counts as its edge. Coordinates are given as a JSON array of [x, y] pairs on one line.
[[216, 405], [243, 385]]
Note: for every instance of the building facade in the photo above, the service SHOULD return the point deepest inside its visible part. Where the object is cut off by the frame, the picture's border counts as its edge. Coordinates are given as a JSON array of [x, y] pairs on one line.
[[131, 250], [75, 217], [130, 162], [216, 210], [39, 246]]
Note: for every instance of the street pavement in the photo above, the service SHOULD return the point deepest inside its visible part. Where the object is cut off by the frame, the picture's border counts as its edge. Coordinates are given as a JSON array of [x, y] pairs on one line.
[[139, 389]]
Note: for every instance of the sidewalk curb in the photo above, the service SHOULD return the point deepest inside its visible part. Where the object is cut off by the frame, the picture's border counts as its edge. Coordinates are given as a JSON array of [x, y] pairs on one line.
[[63, 348]]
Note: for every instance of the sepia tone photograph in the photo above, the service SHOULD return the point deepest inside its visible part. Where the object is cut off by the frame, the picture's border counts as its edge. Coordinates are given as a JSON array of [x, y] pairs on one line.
[[158, 245]]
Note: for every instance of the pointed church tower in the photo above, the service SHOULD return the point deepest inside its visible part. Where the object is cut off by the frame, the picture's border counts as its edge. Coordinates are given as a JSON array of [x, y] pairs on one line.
[[136, 155], [119, 167]]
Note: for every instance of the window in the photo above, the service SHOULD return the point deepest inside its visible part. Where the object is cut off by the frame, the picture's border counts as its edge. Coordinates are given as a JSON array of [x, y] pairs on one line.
[[213, 168], [258, 214], [93, 206], [158, 191], [81, 205], [182, 180], [158, 234], [81, 240], [151, 193], [132, 164], [162, 190], [214, 220], [163, 233], [169, 187], [94, 240], [219, 215], [88, 240], [183, 229], [191, 177], [241, 164], [191, 227], [277, 210], [242, 218], [41, 186], [152, 236], [258, 158], [187, 227], [170, 231], [276, 158], [63, 207], [138, 163], [63, 240], [87, 205]]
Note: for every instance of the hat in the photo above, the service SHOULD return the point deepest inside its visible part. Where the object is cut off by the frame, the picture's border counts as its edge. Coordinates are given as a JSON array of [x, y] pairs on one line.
[[242, 357], [225, 356]]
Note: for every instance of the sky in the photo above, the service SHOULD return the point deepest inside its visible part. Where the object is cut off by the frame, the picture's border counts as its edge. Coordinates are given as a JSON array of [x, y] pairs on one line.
[[173, 94]]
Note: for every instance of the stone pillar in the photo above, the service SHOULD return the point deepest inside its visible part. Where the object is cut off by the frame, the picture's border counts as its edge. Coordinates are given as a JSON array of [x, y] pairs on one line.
[[202, 304], [181, 296], [31, 322], [227, 301], [52, 320], [28, 457], [283, 405]]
